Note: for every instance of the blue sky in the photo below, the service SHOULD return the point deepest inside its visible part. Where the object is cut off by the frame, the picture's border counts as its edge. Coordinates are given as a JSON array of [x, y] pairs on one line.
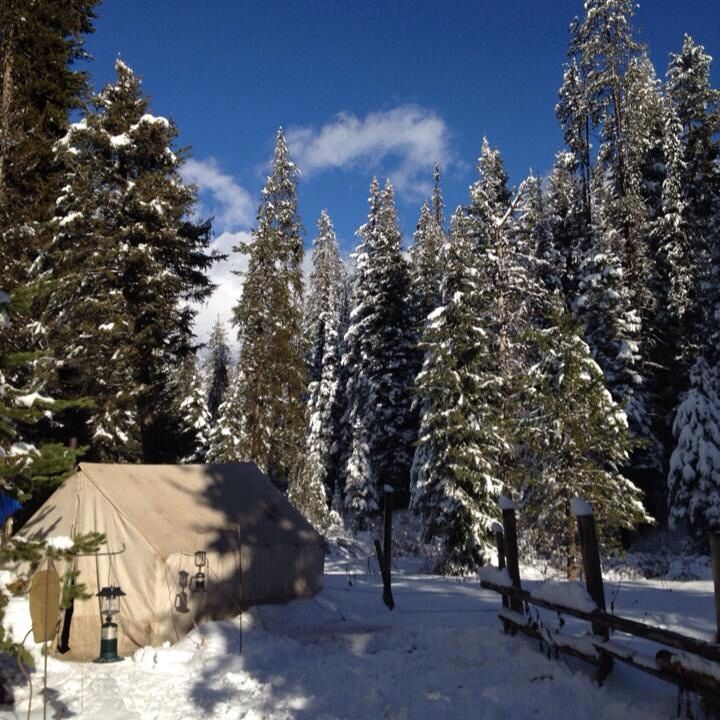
[[362, 88]]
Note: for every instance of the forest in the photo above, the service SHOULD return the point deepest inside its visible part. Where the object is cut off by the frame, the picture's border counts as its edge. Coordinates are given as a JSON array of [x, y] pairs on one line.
[[545, 341]]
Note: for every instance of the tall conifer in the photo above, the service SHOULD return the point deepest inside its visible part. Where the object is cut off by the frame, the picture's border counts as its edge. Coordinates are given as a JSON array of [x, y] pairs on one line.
[[269, 319], [124, 264]]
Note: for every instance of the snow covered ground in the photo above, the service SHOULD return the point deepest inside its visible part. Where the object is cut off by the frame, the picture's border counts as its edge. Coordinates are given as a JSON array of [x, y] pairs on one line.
[[440, 654]]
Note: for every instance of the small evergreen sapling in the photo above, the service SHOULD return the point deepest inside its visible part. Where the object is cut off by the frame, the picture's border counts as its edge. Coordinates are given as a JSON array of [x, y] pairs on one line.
[[578, 437], [694, 477]]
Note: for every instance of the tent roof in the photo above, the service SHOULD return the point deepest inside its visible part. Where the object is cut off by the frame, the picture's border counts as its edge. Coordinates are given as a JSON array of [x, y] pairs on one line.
[[208, 507]]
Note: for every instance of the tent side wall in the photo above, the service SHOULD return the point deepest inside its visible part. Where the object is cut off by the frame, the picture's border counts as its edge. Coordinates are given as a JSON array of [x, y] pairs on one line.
[[156, 608], [136, 568]]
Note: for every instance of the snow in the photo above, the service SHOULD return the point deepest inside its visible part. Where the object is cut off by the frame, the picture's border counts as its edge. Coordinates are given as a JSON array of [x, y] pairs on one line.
[[696, 664], [70, 217], [568, 594], [583, 644], [506, 503], [580, 507], [29, 400], [121, 140], [150, 120], [22, 448], [440, 653], [61, 542], [495, 576]]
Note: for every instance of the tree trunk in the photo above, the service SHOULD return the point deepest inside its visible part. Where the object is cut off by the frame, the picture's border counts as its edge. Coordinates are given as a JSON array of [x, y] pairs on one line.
[[5, 108]]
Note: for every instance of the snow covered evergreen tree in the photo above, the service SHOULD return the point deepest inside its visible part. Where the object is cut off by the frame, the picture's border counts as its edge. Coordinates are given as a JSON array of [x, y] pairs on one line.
[[426, 272], [39, 87], [194, 412], [533, 242], [325, 293], [611, 321], [216, 369], [226, 441], [509, 296], [579, 439], [378, 358], [124, 264], [694, 198], [272, 372], [425, 266], [318, 478], [610, 90], [566, 227], [438, 204], [31, 463], [694, 477], [455, 468]]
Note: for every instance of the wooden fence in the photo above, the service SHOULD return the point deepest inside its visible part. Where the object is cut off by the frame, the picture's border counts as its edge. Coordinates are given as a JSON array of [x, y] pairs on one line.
[[690, 663]]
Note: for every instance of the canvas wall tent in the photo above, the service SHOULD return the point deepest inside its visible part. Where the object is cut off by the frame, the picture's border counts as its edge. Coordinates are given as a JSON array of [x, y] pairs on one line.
[[259, 548]]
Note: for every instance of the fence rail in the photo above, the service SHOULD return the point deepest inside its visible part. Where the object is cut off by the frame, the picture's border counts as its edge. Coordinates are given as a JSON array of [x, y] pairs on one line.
[[696, 668]]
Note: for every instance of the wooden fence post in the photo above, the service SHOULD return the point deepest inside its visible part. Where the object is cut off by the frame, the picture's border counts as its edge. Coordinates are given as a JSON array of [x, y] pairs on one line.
[[592, 570], [591, 556], [384, 554], [500, 543], [511, 548], [715, 553]]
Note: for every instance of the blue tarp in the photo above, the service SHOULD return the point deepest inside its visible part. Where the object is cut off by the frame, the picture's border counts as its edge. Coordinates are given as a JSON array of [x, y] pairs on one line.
[[8, 506]]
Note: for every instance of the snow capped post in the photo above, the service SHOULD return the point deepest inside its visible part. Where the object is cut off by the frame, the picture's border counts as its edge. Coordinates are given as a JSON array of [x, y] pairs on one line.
[[583, 512], [715, 553], [511, 548]]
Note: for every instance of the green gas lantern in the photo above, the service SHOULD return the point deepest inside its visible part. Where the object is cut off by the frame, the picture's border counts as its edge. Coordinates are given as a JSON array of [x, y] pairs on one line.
[[109, 607]]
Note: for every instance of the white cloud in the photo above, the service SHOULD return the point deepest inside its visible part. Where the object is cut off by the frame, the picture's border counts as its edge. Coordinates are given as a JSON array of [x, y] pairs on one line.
[[413, 136], [231, 204], [228, 289]]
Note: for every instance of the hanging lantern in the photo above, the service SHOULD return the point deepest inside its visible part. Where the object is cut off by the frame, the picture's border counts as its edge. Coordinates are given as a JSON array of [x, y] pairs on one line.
[[109, 607], [197, 581]]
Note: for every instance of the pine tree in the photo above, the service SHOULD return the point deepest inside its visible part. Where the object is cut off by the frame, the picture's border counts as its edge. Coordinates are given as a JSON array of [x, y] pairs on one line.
[[216, 369], [611, 326], [490, 195], [566, 227], [694, 205], [123, 266], [269, 320], [194, 413], [361, 497], [694, 477], [509, 295], [532, 238], [610, 89], [318, 479], [579, 440], [39, 87], [32, 462], [378, 357], [226, 440], [426, 271], [425, 266], [438, 204], [324, 296], [456, 477]]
